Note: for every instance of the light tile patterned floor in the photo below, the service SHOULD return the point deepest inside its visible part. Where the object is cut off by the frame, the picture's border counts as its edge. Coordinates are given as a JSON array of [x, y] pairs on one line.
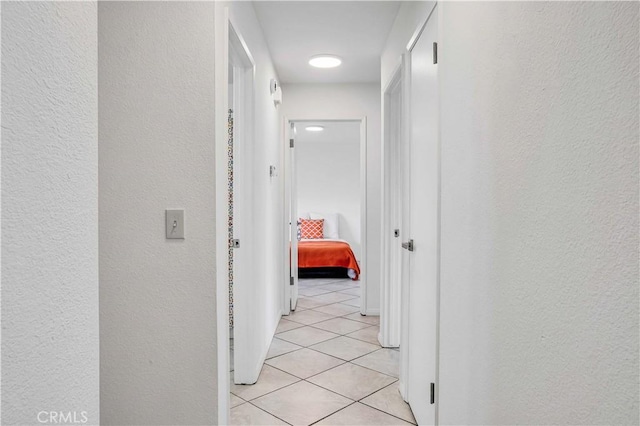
[[325, 366]]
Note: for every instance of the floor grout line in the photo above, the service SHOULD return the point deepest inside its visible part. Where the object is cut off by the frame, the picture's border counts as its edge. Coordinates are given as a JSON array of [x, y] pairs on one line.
[[342, 361], [389, 414], [274, 390], [389, 385], [335, 412], [271, 414], [323, 371]]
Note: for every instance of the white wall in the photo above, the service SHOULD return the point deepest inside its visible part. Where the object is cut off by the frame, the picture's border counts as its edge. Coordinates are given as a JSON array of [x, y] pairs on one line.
[[335, 101], [411, 15], [539, 290], [157, 296], [267, 207], [49, 211], [329, 182]]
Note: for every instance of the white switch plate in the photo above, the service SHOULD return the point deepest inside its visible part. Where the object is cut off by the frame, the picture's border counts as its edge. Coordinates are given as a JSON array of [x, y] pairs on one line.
[[175, 224]]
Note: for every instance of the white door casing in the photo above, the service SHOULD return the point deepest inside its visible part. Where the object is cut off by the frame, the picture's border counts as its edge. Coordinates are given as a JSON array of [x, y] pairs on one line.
[[405, 200], [247, 360], [293, 197], [364, 308], [424, 217], [390, 314]]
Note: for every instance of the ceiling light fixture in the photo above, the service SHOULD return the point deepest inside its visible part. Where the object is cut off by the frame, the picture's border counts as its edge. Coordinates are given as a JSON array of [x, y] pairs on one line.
[[325, 61], [314, 128]]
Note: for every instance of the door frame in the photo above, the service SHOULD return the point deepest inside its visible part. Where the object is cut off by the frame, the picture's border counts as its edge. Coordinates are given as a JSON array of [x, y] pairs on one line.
[[246, 367], [363, 204], [292, 203], [391, 292], [244, 70], [405, 296]]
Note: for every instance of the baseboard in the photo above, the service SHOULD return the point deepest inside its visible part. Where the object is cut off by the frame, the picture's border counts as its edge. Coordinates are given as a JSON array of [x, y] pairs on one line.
[[265, 350], [373, 312], [261, 360], [275, 326], [382, 342], [402, 387]]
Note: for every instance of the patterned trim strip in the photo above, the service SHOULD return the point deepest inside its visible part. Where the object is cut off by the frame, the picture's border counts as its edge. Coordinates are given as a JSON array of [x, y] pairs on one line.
[[230, 213]]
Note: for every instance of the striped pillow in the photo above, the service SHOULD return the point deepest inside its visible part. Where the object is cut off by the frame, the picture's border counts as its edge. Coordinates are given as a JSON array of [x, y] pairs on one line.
[[311, 228]]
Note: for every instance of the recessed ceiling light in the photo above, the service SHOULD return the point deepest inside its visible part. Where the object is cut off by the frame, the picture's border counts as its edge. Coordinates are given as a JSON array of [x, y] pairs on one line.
[[314, 128], [325, 61]]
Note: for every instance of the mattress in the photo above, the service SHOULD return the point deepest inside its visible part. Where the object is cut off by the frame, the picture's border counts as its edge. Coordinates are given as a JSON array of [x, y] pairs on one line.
[[327, 253]]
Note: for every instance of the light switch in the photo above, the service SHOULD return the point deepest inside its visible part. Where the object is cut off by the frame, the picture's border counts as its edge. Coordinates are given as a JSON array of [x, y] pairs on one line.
[[175, 224]]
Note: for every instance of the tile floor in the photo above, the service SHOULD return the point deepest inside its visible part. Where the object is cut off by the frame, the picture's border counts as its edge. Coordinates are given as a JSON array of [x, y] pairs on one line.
[[325, 366]]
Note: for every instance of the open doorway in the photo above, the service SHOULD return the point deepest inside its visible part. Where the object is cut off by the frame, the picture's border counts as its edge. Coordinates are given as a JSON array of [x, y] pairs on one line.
[[328, 213], [326, 188]]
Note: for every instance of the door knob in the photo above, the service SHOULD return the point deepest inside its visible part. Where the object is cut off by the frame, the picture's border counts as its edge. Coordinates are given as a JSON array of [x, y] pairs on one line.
[[408, 245]]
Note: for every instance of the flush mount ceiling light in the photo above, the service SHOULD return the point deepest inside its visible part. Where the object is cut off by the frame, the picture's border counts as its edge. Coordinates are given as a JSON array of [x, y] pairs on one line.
[[314, 128], [325, 61]]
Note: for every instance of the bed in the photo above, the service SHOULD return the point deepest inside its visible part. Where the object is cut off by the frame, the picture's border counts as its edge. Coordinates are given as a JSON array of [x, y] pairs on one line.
[[321, 253], [335, 255]]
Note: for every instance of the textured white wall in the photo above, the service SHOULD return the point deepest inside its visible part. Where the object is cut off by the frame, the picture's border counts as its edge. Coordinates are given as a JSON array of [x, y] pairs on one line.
[[331, 101], [49, 211], [157, 296], [329, 182], [410, 16], [539, 291]]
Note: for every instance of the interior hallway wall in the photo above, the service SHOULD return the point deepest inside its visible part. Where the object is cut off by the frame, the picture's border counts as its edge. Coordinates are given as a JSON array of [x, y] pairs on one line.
[[156, 130], [49, 211], [539, 290], [331, 101], [410, 15]]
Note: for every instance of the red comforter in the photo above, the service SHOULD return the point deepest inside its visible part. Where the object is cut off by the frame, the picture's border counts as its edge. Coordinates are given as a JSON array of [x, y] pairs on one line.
[[322, 253]]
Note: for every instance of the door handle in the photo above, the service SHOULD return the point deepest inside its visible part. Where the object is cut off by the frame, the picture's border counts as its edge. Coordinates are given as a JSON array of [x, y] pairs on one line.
[[408, 245]]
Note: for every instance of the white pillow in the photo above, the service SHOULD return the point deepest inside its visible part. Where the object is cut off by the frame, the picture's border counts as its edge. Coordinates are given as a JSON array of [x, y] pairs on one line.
[[331, 229]]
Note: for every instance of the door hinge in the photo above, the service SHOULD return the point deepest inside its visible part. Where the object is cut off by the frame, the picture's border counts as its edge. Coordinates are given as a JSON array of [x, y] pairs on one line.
[[433, 393], [290, 280], [408, 245], [435, 52], [290, 143]]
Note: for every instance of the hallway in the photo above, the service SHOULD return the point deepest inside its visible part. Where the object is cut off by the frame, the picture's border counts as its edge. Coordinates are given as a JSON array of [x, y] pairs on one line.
[[324, 366], [502, 143]]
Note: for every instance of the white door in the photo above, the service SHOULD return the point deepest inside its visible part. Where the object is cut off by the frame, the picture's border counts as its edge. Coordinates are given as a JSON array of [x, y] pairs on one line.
[[423, 267], [293, 196]]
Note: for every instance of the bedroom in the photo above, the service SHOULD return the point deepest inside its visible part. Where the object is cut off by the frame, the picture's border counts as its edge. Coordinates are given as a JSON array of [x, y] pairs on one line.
[[327, 194]]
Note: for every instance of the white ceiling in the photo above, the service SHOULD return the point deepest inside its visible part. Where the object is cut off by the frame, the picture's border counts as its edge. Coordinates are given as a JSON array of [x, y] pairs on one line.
[[334, 132], [354, 30]]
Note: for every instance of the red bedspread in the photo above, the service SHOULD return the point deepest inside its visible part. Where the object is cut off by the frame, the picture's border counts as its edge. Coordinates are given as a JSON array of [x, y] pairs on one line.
[[321, 254]]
